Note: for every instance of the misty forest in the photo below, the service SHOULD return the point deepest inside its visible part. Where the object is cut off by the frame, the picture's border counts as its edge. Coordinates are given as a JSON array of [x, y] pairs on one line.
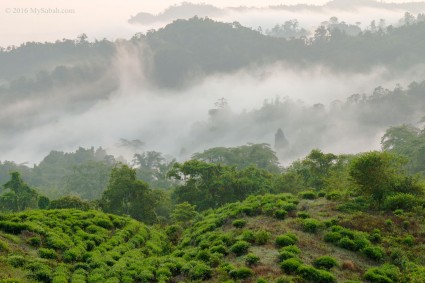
[[269, 144]]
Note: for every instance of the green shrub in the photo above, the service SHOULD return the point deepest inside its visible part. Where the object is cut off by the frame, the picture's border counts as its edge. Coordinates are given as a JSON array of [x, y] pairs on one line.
[[56, 242], [69, 202], [200, 271], [47, 253], [337, 228], [348, 233], [303, 215], [325, 277], [34, 241], [398, 212], [347, 243], [308, 195], [251, 210], [409, 240], [321, 194], [333, 196], [102, 222], [289, 207], [357, 204], [203, 256], [291, 265], [220, 248], [332, 237], [82, 266], [280, 214], [284, 255], [315, 275], [261, 237], [375, 236], [174, 233], [386, 273], [60, 279], [307, 272], [145, 275], [40, 272], [373, 252], [330, 222], [239, 223], [292, 248], [228, 238], [241, 273], [403, 201], [247, 235], [251, 259], [13, 227], [311, 225], [16, 261], [215, 259], [286, 240], [325, 262], [240, 248], [361, 242], [71, 255], [4, 246], [163, 273]]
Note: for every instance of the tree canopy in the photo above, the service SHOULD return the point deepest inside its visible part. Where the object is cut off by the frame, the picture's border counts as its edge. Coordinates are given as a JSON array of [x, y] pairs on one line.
[[125, 195], [382, 174], [209, 185], [260, 155], [17, 196]]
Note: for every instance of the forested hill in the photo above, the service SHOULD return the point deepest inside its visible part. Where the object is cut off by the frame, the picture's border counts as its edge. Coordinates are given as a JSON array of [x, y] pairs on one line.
[[188, 49], [227, 215]]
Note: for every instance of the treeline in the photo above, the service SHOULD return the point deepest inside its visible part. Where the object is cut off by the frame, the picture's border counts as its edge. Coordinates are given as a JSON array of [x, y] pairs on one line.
[[359, 116], [213, 178], [202, 46], [186, 50], [408, 141]]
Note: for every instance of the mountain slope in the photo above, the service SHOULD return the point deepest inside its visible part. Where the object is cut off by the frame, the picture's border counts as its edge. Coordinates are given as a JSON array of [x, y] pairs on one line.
[[270, 238]]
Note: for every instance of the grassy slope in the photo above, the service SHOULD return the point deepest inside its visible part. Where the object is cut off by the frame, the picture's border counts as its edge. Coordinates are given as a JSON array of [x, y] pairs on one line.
[[62, 244], [76, 246], [371, 248]]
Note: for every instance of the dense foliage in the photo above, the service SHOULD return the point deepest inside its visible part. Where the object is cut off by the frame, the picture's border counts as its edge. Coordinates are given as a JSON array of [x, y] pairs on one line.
[[340, 217]]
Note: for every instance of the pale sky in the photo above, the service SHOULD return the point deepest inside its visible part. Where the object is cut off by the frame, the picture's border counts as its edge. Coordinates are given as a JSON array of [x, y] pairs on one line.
[[24, 20]]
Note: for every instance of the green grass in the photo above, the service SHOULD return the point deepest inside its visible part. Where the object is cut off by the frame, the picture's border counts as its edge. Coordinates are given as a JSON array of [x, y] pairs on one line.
[[91, 246]]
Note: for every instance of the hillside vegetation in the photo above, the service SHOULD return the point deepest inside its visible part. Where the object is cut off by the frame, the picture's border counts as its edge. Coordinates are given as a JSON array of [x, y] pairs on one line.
[[312, 237], [227, 215]]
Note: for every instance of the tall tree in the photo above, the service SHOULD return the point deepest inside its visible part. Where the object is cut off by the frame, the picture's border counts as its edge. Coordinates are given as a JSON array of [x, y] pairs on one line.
[[209, 185], [408, 141], [280, 142], [381, 174], [260, 155], [18, 196], [127, 195], [152, 167]]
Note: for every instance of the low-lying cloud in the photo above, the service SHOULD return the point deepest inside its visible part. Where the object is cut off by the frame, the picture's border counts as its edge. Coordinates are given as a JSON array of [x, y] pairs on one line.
[[178, 122]]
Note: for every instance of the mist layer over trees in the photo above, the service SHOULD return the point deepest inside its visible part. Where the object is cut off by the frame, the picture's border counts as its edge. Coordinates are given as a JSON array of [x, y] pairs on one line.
[[196, 62]]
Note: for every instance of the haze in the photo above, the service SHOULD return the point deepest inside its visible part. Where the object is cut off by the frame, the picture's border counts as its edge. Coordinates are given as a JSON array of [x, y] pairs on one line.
[[108, 18], [149, 88]]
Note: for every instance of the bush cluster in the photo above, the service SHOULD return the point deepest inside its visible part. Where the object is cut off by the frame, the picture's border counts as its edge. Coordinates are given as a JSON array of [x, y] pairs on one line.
[[286, 239]]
